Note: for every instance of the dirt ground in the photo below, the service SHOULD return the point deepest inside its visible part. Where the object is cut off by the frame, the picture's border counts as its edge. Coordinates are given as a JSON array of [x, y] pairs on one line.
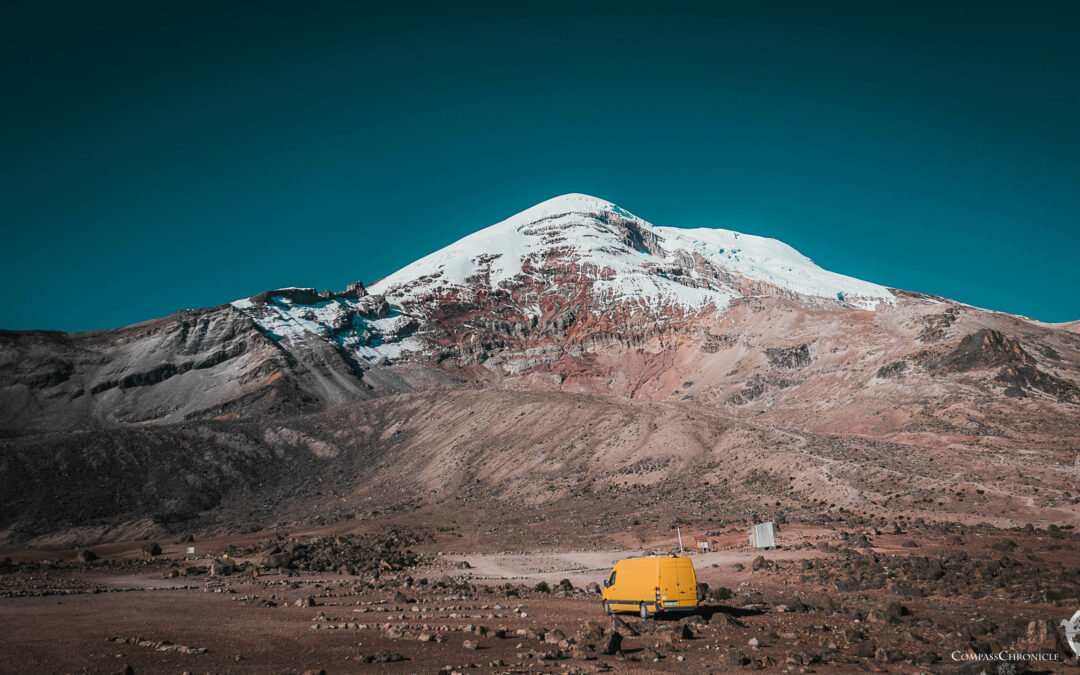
[[826, 601]]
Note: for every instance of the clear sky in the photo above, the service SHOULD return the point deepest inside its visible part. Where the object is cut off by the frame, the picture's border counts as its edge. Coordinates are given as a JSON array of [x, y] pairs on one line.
[[164, 155]]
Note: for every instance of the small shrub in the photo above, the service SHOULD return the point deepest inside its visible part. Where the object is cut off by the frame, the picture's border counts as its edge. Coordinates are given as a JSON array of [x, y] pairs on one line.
[[720, 594]]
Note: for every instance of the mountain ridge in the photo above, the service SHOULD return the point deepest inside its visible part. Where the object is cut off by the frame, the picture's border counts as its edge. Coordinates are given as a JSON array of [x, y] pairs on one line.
[[322, 386], [544, 294]]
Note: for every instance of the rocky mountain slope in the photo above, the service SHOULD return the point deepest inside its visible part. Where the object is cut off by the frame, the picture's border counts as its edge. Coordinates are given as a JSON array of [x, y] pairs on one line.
[[572, 352]]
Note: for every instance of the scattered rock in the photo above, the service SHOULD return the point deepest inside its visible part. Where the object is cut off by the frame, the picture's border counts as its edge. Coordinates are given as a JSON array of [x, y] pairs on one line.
[[554, 637], [888, 613], [611, 643], [222, 567], [276, 559], [1042, 636], [591, 631], [618, 624], [864, 650], [724, 619], [385, 656], [820, 601]]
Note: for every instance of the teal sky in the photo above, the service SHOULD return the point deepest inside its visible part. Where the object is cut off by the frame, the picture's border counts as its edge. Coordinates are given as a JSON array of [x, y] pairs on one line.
[[168, 155]]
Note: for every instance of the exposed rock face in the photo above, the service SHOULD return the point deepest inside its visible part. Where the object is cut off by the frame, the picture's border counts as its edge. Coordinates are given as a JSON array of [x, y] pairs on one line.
[[792, 357], [937, 325], [894, 369], [757, 386], [988, 348], [212, 363], [146, 372], [984, 349], [1019, 378]]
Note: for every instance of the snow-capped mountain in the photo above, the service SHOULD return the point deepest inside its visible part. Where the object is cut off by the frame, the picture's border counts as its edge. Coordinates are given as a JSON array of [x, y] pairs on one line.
[[574, 294], [572, 347], [570, 250], [624, 258]]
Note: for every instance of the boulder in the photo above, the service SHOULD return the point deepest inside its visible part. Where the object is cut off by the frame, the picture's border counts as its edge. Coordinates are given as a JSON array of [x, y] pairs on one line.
[[887, 613], [611, 643], [222, 567], [590, 631], [864, 650], [820, 601], [1042, 636], [534, 634], [274, 559], [724, 619], [554, 637], [618, 624]]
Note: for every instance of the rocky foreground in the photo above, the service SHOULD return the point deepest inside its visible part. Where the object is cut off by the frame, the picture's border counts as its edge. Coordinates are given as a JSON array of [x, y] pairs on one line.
[[904, 599]]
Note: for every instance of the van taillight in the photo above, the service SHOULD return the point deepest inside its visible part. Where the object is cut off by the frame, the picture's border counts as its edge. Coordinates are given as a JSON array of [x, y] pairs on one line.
[[658, 594]]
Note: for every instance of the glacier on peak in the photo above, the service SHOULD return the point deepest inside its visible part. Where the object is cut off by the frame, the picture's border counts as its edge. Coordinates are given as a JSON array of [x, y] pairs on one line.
[[599, 237], [566, 244]]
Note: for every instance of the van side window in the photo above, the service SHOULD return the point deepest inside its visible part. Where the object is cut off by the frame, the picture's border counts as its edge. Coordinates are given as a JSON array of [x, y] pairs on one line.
[[611, 579]]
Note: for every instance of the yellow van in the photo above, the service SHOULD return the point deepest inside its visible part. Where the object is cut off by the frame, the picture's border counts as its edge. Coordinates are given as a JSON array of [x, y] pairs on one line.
[[651, 585]]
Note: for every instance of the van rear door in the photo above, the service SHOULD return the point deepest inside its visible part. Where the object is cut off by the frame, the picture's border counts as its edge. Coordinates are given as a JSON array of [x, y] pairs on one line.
[[682, 591]]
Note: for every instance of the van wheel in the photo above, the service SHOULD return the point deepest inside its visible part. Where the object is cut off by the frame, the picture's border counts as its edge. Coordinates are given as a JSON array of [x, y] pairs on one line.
[[607, 608], [643, 610]]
